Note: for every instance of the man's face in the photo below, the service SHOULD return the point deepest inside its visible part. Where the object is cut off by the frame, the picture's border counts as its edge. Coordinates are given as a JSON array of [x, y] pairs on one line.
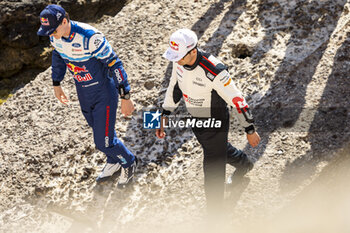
[[60, 30], [186, 60]]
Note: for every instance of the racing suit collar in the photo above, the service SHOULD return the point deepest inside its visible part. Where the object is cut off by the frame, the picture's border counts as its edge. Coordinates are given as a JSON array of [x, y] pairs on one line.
[[195, 64], [71, 34]]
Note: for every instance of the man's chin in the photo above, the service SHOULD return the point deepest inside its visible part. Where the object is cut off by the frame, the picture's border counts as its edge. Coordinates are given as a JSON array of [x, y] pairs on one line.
[[57, 37]]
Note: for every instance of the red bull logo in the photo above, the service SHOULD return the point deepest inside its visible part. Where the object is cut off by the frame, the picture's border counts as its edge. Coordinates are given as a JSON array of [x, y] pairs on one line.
[[77, 70], [174, 45], [72, 36], [44, 21]]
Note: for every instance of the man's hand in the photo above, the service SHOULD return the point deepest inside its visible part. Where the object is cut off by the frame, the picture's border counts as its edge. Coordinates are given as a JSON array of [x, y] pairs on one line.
[[253, 139], [160, 132], [60, 95], [127, 107]]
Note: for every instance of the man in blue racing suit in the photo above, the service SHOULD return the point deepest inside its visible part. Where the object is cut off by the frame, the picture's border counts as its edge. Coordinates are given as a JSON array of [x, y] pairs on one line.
[[99, 76]]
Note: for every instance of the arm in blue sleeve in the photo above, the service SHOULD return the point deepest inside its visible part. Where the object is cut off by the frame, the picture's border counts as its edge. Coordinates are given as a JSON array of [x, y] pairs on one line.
[[103, 51], [58, 68]]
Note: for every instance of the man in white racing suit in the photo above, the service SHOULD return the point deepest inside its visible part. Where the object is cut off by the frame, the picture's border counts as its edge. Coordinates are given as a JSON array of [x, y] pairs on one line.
[[207, 88]]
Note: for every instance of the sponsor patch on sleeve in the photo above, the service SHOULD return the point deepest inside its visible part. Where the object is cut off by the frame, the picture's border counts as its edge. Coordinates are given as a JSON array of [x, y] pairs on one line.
[[225, 78], [98, 42], [228, 82], [112, 63], [210, 76]]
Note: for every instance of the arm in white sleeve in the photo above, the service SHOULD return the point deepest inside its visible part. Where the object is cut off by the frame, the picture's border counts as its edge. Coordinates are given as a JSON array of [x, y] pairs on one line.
[[225, 87]]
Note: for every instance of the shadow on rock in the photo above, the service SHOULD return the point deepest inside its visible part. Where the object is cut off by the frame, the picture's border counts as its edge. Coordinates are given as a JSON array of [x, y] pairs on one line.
[[284, 101], [330, 128], [225, 27]]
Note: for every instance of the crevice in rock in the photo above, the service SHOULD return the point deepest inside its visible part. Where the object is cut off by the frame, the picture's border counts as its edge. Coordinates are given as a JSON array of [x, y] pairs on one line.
[[241, 51]]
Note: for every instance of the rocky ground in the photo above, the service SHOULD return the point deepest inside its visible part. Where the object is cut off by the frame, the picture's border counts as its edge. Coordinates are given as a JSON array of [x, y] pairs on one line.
[[23, 54], [290, 58]]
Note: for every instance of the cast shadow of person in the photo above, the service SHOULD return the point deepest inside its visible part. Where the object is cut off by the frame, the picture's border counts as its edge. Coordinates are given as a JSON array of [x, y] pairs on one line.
[[225, 28], [330, 128], [284, 101]]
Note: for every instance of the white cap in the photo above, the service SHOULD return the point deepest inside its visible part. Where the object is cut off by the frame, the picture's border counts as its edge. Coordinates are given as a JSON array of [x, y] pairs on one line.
[[181, 42]]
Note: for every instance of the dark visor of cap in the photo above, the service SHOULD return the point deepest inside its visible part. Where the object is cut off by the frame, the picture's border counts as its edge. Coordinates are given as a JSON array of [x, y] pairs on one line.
[[45, 30]]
